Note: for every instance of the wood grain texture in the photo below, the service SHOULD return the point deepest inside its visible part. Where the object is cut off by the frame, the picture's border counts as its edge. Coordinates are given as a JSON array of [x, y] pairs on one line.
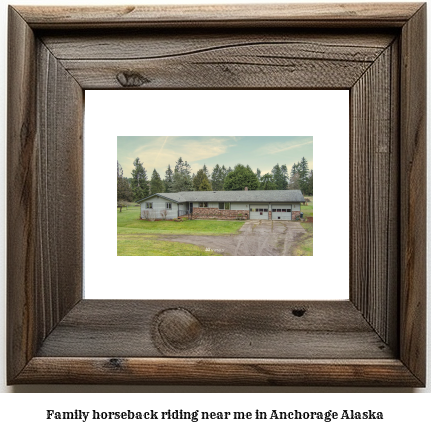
[[59, 245], [217, 371], [200, 60], [300, 14], [413, 194], [347, 45], [45, 106], [241, 329], [205, 59], [55, 337], [21, 194], [374, 195]]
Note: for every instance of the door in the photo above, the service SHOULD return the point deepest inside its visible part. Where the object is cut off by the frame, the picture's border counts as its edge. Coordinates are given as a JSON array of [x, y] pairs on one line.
[[259, 211], [281, 212]]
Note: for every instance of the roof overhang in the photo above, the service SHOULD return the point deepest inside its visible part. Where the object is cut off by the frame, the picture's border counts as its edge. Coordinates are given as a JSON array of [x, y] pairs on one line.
[[159, 195]]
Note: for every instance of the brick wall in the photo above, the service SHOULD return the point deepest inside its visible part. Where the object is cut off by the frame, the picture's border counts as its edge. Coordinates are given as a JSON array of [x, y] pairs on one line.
[[215, 213]]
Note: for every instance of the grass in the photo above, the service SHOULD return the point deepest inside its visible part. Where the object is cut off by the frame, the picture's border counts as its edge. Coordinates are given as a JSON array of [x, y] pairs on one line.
[[308, 209], [128, 222], [304, 246], [136, 237], [148, 245]]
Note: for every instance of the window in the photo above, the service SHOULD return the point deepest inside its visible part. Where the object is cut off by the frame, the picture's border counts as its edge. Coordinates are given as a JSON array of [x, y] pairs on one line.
[[149, 205], [203, 204], [283, 210], [169, 206], [224, 206], [265, 210]]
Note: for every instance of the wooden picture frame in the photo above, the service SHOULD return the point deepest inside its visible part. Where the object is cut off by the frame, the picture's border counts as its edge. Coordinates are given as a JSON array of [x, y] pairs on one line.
[[376, 338]]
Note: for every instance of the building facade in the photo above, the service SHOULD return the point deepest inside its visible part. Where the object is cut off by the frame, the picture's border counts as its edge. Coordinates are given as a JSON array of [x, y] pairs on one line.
[[265, 205]]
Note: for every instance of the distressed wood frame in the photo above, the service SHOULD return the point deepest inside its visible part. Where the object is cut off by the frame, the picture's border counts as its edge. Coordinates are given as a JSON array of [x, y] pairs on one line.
[[376, 338]]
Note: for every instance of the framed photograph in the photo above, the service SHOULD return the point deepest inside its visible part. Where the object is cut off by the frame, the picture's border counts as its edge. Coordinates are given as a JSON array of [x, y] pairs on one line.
[[376, 337]]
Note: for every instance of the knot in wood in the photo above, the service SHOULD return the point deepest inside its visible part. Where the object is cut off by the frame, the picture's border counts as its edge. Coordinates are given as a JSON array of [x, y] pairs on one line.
[[178, 328], [131, 79]]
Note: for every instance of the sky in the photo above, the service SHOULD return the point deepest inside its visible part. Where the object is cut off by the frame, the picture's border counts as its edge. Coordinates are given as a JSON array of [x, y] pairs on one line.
[[157, 152]]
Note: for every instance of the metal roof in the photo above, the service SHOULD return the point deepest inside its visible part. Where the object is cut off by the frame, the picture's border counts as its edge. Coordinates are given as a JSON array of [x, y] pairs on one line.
[[234, 196]]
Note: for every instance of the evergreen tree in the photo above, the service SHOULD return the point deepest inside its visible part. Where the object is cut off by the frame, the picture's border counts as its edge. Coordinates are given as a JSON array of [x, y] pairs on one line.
[[139, 181], [240, 178], [285, 173], [205, 185], [278, 178], [303, 174], [181, 182], [168, 179], [294, 170], [217, 178], [182, 166], [181, 179], [258, 174], [124, 192], [206, 172], [199, 178], [156, 184], [267, 182]]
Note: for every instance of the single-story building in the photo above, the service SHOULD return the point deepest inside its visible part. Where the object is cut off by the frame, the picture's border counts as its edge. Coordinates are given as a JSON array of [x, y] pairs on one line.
[[253, 204]]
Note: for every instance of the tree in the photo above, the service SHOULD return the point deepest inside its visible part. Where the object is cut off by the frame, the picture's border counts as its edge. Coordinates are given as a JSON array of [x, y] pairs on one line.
[[240, 178], [310, 184], [181, 182], [206, 172], [279, 178], [205, 185], [199, 178], [156, 184], [181, 179], [124, 192], [303, 174], [285, 173], [258, 173], [300, 177], [139, 181], [267, 182], [168, 179], [294, 181], [217, 178], [119, 170], [182, 166]]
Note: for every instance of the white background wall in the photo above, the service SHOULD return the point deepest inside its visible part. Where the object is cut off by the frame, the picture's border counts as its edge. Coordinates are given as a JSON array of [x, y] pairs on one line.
[[26, 410], [322, 114]]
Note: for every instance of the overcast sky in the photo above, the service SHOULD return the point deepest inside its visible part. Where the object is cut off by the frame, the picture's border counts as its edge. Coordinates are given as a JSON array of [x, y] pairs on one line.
[[257, 151]]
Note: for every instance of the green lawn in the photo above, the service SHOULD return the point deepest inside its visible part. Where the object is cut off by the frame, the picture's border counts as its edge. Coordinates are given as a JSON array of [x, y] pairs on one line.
[[136, 237], [128, 222], [150, 245], [308, 209]]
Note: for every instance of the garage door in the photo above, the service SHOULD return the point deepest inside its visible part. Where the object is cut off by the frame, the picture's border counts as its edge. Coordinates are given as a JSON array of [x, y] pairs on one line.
[[258, 211], [281, 212]]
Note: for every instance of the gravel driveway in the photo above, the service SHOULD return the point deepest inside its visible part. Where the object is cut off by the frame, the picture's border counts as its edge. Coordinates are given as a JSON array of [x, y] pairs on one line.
[[255, 238]]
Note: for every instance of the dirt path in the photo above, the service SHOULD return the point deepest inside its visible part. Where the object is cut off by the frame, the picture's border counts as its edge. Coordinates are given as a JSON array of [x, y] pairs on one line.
[[255, 238]]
